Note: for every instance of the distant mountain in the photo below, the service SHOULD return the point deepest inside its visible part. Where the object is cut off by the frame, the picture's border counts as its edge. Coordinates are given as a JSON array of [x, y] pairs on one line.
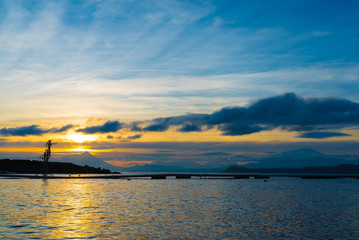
[[304, 157], [86, 158], [153, 168], [303, 153], [297, 158], [340, 169], [163, 168]]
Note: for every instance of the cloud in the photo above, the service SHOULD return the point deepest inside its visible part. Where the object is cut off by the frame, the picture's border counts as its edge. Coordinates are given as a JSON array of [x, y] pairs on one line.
[[135, 136], [70, 52], [62, 129], [190, 128], [321, 135], [156, 128], [316, 117], [210, 154], [234, 129], [22, 131], [288, 111], [129, 138], [32, 130], [109, 126], [188, 123]]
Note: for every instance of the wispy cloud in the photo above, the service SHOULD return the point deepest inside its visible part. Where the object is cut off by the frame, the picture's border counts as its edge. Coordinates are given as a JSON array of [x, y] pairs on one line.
[[137, 58]]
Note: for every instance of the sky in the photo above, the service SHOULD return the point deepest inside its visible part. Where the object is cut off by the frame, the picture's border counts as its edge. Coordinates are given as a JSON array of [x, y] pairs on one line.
[[178, 82]]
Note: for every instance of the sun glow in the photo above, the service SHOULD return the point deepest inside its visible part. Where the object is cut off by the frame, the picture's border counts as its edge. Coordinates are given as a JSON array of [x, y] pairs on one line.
[[80, 138], [81, 149]]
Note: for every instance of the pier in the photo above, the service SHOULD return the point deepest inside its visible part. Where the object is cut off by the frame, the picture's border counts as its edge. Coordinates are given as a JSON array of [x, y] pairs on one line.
[[178, 176]]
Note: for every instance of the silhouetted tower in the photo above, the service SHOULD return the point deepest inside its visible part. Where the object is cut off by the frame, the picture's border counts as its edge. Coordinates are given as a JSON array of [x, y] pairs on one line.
[[46, 157]]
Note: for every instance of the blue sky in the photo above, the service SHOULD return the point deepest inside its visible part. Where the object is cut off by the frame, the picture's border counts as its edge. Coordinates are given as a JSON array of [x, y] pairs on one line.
[[84, 63]]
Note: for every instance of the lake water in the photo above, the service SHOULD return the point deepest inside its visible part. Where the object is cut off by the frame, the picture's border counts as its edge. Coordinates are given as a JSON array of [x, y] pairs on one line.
[[281, 208]]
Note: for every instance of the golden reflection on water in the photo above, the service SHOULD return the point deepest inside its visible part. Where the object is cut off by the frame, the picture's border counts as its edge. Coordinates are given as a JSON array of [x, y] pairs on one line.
[[80, 209], [177, 209], [75, 215], [69, 209], [61, 209]]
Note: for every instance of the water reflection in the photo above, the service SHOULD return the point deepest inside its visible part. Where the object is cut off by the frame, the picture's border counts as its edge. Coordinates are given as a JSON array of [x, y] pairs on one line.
[[72, 209], [178, 209]]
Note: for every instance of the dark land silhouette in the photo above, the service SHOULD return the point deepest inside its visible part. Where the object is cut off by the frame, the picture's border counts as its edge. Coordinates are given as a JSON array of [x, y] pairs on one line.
[[36, 167], [340, 169]]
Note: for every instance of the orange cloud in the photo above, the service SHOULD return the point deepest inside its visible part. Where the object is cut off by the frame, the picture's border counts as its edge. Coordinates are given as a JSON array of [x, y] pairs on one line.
[[119, 163], [245, 162], [202, 162]]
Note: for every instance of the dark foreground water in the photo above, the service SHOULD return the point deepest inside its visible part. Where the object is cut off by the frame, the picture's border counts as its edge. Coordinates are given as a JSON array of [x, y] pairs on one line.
[[281, 208]]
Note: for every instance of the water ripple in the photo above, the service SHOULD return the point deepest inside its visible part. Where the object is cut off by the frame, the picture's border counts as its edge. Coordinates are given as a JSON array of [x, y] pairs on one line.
[[179, 209]]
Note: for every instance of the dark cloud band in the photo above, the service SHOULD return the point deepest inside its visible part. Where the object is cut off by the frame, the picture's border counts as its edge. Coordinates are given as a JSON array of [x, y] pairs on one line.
[[109, 126], [289, 112], [321, 135], [32, 130], [314, 117]]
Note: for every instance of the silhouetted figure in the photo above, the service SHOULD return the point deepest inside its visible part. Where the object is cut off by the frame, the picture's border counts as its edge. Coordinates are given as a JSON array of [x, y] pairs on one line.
[[46, 157]]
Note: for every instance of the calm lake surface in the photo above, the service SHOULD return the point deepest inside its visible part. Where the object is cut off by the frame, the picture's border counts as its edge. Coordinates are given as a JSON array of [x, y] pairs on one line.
[[281, 208]]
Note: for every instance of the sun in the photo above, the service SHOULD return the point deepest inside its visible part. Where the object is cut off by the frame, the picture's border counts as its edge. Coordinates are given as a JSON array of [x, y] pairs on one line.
[[80, 138]]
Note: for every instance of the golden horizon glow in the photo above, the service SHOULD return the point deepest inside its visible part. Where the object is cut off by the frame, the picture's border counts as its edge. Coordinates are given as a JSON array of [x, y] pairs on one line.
[[120, 145], [131, 163], [80, 138], [81, 149]]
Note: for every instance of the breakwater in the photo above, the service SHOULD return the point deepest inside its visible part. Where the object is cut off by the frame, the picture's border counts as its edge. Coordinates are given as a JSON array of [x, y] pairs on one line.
[[181, 176]]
